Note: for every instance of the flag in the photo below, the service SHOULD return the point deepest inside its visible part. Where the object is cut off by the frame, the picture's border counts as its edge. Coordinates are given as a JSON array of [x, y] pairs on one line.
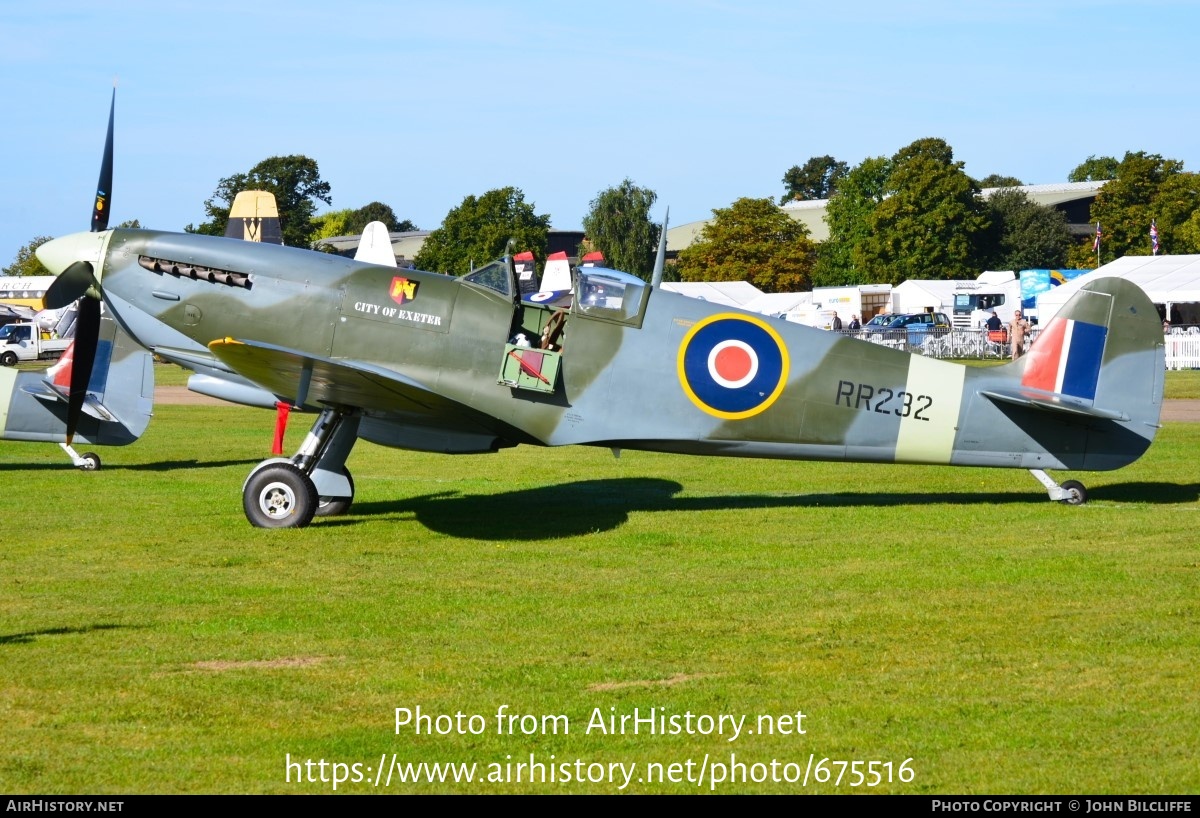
[[1153, 238], [1096, 243]]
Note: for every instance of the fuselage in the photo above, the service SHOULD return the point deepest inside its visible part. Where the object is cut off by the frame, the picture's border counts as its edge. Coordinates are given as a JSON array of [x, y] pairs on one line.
[[658, 371]]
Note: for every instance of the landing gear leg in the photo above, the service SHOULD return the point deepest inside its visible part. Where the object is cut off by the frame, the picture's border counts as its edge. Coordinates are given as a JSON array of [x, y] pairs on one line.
[[288, 493], [1071, 492], [333, 481]]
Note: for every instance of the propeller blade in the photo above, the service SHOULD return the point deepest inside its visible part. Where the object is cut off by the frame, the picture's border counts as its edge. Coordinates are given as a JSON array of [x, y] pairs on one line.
[[87, 338], [70, 285], [104, 186]]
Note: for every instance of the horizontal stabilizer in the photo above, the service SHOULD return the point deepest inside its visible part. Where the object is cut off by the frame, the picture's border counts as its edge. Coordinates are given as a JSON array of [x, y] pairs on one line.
[[1053, 402], [92, 406]]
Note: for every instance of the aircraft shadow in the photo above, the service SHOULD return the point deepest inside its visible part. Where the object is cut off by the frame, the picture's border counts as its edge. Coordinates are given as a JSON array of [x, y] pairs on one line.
[[1156, 493], [587, 506], [29, 636], [168, 465], [171, 465]]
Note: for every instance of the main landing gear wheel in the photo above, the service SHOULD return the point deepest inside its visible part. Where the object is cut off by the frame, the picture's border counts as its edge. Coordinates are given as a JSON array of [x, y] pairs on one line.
[[1074, 494], [89, 461], [336, 506], [279, 496]]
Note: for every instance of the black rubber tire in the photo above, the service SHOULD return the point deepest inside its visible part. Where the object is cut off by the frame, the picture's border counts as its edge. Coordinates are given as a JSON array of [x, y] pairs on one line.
[[279, 496], [91, 461], [1074, 494], [8, 359]]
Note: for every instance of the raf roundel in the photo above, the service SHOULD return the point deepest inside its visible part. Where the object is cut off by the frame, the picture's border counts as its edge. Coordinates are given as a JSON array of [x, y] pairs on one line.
[[732, 366]]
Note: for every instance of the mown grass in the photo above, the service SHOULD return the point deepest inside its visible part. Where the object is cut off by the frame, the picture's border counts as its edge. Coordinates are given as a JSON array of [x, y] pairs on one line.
[[1182, 384], [152, 641]]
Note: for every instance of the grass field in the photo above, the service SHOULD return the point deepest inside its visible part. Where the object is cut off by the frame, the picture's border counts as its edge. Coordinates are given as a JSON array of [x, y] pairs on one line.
[[152, 641]]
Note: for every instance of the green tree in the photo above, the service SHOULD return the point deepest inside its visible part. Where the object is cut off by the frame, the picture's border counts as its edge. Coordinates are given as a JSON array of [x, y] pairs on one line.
[[330, 225], [930, 147], [618, 225], [848, 215], [1146, 187], [478, 229], [817, 179], [351, 222], [358, 220], [999, 180], [1025, 235], [1176, 210], [26, 263], [1094, 169], [294, 180], [932, 223], [752, 240]]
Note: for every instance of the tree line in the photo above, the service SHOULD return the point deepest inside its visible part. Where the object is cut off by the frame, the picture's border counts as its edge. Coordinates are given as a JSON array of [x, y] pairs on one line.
[[916, 214]]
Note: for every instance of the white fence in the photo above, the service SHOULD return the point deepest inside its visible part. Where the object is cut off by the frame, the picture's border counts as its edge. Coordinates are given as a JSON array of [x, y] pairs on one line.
[[1183, 348], [939, 343], [1182, 344]]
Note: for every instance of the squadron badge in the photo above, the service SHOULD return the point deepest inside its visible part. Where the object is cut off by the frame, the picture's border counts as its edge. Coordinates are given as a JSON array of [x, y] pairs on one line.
[[403, 290], [732, 366]]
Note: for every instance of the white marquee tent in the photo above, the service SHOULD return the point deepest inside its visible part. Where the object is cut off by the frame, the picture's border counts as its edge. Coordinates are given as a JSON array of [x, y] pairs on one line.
[[725, 293], [918, 295], [1171, 281]]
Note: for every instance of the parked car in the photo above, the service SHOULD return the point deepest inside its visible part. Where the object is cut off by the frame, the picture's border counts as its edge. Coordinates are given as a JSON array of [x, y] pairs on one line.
[[907, 329], [920, 321]]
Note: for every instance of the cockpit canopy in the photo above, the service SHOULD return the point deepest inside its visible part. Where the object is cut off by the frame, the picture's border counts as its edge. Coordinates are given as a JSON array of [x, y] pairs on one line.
[[610, 294]]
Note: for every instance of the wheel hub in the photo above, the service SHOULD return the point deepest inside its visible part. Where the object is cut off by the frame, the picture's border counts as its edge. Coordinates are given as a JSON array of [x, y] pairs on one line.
[[276, 500]]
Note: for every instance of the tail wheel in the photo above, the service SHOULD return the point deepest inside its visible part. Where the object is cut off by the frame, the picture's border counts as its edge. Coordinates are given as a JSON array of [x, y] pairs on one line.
[[1074, 494], [279, 496]]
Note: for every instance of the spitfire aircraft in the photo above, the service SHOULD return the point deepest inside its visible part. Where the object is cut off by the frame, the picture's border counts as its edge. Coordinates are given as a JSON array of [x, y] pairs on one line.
[[477, 363]]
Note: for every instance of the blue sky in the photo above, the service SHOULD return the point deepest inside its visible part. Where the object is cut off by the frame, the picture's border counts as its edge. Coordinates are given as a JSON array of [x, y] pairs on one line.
[[421, 104]]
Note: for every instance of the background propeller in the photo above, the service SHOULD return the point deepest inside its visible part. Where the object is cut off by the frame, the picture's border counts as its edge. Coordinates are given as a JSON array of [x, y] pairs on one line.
[[73, 284], [104, 185]]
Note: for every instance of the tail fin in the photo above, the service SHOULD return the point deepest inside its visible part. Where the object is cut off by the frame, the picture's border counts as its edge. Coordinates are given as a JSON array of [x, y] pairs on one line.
[[375, 247], [254, 216], [1100, 357], [117, 409]]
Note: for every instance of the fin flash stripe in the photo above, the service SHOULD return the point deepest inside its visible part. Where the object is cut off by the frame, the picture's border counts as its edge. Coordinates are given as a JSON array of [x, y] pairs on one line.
[[1066, 358]]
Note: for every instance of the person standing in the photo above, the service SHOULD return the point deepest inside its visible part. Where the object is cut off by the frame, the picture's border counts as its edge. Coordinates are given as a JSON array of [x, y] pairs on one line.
[[855, 324], [1018, 329], [837, 323]]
